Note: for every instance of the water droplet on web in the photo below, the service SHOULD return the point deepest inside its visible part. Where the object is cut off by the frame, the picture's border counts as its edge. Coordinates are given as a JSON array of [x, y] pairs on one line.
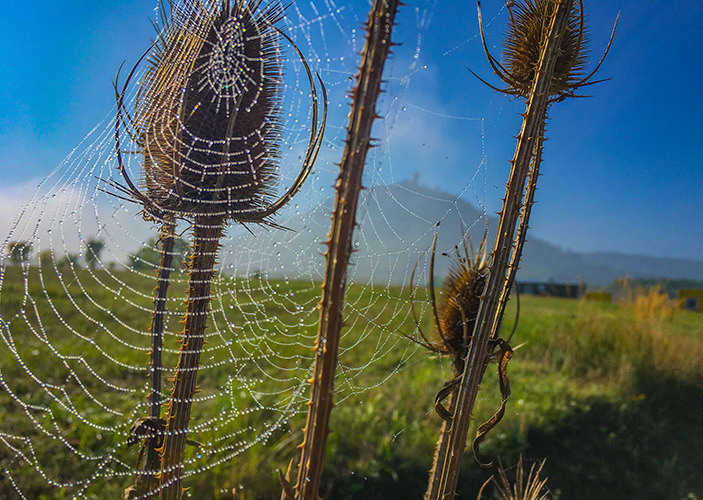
[[102, 323]]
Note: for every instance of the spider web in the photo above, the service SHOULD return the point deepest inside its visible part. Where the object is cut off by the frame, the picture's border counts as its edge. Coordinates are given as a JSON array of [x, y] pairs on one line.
[[75, 327]]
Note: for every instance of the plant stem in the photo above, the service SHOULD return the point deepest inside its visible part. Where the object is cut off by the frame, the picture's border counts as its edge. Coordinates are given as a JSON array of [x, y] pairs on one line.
[[157, 325], [157, 329], [147, 482], [487, 322], [440, 453], [339, 246], [524, 222], [206, 241]]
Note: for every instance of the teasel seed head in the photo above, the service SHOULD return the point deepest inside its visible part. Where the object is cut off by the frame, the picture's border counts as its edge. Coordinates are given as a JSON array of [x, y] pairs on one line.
[[207, 120], [456, 313], [524, 38], [208, 117], [461, 299]]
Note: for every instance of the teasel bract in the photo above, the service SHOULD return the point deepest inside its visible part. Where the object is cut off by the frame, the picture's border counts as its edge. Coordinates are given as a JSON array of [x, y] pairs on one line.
[[543, 62], [207, 122]]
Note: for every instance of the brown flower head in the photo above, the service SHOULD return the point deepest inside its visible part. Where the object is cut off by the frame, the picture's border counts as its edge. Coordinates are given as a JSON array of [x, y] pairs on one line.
[[207, 117], [461, 298], [461, 293], [522, 46]]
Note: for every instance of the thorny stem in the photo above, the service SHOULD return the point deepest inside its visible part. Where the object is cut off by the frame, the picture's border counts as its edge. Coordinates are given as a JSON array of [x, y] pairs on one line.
[[206, 241], [488, 318], [524, 221], [339, 246], [157, 327], [440, 453], [147, 482]]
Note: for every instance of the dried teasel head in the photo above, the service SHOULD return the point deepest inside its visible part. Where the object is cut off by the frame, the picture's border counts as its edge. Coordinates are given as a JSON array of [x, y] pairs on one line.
[[457, 310], [207, 117], [461, 299], [522, 46]]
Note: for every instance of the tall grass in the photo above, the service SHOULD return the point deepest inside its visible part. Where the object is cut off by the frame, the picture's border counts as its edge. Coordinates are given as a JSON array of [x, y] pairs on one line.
[[647, 304], [639, 334]]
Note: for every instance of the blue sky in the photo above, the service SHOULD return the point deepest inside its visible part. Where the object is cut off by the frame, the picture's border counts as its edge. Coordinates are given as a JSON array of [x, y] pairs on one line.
[[623, 170]]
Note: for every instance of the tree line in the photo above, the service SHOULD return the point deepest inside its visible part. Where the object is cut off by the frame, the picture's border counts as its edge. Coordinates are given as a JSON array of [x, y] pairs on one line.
[[147, 257]]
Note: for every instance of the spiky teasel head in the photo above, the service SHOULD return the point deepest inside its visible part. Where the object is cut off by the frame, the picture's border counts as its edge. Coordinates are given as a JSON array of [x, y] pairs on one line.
[[207, 117], [461, 299], [456, 313], [522, 46], [534, 487]]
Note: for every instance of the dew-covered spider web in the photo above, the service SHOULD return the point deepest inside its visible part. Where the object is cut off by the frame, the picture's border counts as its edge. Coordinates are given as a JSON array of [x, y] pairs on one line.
[[80, 264]]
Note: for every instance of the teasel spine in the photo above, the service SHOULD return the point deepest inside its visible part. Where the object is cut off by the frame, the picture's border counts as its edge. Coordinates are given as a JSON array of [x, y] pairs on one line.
[[339, 248]]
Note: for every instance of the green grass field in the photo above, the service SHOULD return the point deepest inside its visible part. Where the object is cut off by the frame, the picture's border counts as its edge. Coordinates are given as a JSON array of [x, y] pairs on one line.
[[611, 398]]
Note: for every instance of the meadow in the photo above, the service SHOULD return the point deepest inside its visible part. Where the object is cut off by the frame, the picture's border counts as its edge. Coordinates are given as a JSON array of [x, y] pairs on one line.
[[610, 394]]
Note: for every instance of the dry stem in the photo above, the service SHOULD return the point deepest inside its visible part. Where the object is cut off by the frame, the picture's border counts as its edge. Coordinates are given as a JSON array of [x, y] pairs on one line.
[[339, 249], [487, 321], [207, 234]]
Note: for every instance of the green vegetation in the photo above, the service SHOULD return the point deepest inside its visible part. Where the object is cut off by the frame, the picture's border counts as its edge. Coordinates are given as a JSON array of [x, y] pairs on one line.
[[93, 249], [19, 251], [612, 399]]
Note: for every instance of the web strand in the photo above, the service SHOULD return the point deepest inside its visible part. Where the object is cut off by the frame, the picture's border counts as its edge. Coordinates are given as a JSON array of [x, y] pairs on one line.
[[75, 330]]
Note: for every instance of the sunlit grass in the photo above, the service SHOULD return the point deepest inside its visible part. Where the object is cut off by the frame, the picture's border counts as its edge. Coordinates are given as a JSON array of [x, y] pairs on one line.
[[613, 402]]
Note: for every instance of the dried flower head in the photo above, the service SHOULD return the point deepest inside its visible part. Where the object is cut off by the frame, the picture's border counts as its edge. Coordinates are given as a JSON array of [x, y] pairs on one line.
[[522, 46], [207, 117], [534, 487], [461, 298]]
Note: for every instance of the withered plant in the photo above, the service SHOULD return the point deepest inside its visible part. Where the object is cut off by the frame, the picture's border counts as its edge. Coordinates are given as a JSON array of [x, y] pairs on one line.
[[453, 321], [532, 487], [339, 250], [207, 124], [460, 299], [543, 62]]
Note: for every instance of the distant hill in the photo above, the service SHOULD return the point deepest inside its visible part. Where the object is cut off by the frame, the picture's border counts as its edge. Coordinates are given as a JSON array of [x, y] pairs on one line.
[[642, 266], [398, 223]]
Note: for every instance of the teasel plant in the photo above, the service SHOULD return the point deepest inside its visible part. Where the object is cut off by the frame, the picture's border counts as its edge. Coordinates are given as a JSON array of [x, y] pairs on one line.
[[453, 324], [207, 124], [532, 487], [339, 249], [452, 318], [544, 60]]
